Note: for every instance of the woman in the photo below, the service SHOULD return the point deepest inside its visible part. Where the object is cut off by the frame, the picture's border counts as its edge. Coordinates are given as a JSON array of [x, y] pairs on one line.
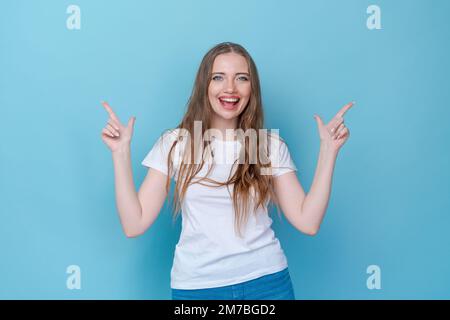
[[227, 248]]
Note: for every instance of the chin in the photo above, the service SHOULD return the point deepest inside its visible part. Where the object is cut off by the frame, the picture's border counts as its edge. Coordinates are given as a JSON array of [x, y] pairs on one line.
[[228, 114]]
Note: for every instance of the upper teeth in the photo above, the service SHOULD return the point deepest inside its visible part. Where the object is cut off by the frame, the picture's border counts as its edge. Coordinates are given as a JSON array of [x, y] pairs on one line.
[[230, 99]]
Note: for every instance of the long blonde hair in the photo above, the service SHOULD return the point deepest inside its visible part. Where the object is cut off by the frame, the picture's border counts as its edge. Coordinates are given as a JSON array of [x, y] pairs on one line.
[[248, 182]]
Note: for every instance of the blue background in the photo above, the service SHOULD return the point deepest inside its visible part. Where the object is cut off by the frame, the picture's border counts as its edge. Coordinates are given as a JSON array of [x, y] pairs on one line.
[[390, 195]]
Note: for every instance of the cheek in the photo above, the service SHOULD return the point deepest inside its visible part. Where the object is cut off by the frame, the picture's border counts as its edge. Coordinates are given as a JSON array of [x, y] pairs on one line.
[[246, 91], [213, 91], [214, 86], [212, 98]]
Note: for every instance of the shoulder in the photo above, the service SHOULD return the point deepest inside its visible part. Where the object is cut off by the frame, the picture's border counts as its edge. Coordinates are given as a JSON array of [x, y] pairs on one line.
[[168, 137], [170, 134], [276, 142], [279, 151], [174, 139]]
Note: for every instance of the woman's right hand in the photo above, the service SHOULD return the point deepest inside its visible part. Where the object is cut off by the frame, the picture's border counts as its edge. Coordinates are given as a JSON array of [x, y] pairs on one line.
[[115, 135]]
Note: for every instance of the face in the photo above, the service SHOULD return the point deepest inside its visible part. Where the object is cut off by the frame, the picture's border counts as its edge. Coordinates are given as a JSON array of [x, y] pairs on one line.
[[230, 88]]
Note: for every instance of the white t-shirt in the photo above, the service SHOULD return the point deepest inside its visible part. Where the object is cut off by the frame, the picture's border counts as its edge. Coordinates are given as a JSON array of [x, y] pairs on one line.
[[209, 253]]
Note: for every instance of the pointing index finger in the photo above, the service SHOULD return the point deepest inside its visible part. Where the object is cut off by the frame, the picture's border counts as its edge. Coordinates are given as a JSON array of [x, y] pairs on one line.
[[109, 110], [344, 109]]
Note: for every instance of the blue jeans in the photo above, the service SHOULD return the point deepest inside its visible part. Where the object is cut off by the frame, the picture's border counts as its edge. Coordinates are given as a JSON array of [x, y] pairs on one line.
[[274, 286]]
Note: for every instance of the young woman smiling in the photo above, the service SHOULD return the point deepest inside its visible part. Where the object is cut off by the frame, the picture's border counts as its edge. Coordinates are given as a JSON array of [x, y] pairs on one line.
[[227, 248]]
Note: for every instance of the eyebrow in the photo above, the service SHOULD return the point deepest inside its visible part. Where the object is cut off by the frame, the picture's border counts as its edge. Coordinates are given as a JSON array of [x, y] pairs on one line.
[[235, 73]]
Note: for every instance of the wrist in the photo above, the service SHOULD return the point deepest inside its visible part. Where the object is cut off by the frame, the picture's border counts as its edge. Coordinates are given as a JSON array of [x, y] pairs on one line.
[[328, 148], [122, 150]]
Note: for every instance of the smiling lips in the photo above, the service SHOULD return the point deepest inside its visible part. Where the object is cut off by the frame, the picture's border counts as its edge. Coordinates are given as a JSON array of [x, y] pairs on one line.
[[229, 102]]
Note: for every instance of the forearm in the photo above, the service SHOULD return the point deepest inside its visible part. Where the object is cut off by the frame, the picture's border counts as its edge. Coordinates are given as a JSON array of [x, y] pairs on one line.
[[127, 201], [316, 201]]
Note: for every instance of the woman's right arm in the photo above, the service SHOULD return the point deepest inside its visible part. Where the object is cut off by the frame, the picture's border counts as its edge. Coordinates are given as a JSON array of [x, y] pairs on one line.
[[137, 210]]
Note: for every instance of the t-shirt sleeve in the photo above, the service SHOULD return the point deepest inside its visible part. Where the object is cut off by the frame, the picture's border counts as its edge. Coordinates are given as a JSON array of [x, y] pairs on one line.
[[284, 163], [158, 155]]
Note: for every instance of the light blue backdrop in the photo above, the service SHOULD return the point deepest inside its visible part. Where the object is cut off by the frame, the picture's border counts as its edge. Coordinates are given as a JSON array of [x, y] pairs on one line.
[[390, 198]]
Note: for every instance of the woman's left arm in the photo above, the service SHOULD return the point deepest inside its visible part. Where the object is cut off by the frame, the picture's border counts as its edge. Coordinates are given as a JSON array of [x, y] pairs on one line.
[[306, 212]]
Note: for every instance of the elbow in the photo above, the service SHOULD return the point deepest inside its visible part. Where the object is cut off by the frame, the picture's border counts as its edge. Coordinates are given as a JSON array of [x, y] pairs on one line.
[[310, 231], [132, 234]]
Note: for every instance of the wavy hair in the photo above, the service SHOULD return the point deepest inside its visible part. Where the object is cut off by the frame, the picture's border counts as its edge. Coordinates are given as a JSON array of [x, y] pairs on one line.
[[249, 185]]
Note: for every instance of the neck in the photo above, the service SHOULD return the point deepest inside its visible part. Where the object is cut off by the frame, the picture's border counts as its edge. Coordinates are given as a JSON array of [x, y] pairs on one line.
[[223, 125]]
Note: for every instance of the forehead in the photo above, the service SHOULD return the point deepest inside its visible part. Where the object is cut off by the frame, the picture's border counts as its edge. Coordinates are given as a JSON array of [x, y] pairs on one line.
[[230, 62]]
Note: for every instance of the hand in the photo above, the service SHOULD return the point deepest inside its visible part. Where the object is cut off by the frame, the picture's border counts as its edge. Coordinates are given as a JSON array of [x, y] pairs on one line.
[[335, 133], [115, 135]]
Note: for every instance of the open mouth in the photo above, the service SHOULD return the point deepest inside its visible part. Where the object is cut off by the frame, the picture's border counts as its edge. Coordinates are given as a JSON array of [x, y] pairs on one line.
[[229, 103]]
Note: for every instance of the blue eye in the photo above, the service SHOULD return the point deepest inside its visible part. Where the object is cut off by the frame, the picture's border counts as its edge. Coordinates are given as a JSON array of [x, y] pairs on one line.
[[242, 77]]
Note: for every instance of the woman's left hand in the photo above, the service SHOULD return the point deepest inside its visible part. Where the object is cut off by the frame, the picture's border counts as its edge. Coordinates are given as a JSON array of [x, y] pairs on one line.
[[335, 133]]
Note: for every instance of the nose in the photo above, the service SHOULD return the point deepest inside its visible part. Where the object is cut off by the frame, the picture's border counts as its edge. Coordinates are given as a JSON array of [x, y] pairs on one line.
[[230, 85]]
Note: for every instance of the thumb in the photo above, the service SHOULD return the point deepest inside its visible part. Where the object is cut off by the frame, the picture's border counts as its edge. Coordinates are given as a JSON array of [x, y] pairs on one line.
[[131, 122], [318, 120]]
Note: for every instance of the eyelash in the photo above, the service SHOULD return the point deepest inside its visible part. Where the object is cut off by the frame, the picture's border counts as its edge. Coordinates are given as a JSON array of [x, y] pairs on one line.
[[246, 79]]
